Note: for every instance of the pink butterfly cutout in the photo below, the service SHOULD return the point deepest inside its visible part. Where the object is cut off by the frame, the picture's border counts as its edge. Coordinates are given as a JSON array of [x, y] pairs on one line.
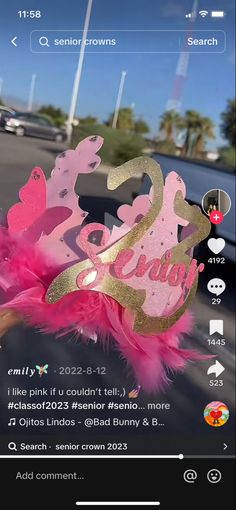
[[32, 203]]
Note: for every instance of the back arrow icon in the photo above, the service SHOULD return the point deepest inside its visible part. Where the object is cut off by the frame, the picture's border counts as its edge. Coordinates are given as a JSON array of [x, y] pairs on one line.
[[13, 41]]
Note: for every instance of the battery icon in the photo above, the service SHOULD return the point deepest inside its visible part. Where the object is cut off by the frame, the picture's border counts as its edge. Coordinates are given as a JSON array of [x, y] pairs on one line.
[[217, 14]]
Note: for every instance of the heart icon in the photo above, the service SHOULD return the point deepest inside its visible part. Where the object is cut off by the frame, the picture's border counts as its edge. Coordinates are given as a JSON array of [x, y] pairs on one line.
[[216, 414], [216, 245]]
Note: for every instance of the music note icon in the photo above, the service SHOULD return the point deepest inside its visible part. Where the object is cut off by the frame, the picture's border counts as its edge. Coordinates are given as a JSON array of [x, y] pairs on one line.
[[12, 422]]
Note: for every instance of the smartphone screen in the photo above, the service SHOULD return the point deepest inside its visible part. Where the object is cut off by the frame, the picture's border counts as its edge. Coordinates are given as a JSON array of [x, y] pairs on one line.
[[117, 253]]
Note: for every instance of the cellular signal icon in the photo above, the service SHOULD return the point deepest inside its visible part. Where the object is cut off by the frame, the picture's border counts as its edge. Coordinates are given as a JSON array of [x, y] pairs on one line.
[[203, 14], [189, 15]]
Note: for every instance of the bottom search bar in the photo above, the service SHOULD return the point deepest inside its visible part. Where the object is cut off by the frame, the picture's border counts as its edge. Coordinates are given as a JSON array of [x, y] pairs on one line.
[[128, 41]]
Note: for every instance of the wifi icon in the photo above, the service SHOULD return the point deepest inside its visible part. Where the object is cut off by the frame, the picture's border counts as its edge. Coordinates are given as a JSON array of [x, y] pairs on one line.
[[203, 14]]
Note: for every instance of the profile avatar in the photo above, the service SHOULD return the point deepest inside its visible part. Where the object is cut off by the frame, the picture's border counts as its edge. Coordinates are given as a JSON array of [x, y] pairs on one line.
[[216, 414]]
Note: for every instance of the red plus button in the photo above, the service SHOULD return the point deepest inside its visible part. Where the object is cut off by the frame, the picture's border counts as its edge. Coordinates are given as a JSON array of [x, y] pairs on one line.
[[216, 217]]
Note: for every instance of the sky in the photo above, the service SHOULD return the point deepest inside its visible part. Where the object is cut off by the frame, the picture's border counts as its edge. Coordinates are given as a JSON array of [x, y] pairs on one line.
[[150, 77]]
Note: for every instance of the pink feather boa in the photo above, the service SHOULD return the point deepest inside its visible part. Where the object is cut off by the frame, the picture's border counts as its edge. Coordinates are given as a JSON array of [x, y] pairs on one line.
[[30, 274]]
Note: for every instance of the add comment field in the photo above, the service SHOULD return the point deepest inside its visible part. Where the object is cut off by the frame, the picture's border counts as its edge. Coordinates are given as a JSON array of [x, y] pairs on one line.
[[128, 41]]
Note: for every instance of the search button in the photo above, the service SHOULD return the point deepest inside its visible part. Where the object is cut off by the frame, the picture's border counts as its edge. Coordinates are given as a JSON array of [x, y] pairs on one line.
[[43, 41], [12, 446]]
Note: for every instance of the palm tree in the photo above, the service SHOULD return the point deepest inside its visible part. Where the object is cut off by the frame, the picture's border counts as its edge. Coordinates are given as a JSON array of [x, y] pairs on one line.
[[205, 130], [170, 121], [198, 128], [192, 124]]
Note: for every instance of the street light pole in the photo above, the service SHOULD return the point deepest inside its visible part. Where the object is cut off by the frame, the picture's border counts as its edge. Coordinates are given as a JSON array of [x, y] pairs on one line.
[[118, 100], [31, 92], [78, 73]]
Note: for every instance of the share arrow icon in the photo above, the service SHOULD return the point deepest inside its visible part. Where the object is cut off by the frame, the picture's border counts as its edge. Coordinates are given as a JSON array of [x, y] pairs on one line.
[[216, 369]]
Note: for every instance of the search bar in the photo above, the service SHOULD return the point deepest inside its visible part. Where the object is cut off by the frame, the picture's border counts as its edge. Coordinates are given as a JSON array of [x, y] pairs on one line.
[[128, 41]]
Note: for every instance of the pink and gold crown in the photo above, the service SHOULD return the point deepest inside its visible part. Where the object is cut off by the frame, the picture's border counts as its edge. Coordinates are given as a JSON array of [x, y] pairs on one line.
[[141, 264]]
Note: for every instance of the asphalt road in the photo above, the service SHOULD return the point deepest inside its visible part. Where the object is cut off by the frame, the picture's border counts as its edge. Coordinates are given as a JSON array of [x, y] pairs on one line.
[[190, 392]]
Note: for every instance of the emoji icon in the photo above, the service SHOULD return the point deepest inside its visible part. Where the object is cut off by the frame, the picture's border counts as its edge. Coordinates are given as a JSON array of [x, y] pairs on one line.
[[216, 245], [214, 476], [216, 326], [216, 286], [135, 392], [216, 414], [42, 369]]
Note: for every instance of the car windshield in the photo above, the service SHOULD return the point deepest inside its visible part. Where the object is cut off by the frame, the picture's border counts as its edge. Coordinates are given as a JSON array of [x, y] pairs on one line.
[[33, 118]]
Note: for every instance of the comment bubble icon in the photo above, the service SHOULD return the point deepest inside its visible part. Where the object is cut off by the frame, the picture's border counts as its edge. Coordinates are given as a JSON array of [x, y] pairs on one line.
[[216, 286]]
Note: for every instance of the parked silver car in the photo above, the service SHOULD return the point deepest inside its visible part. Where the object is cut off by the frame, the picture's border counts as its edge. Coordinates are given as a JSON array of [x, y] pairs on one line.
[[34, 125]]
